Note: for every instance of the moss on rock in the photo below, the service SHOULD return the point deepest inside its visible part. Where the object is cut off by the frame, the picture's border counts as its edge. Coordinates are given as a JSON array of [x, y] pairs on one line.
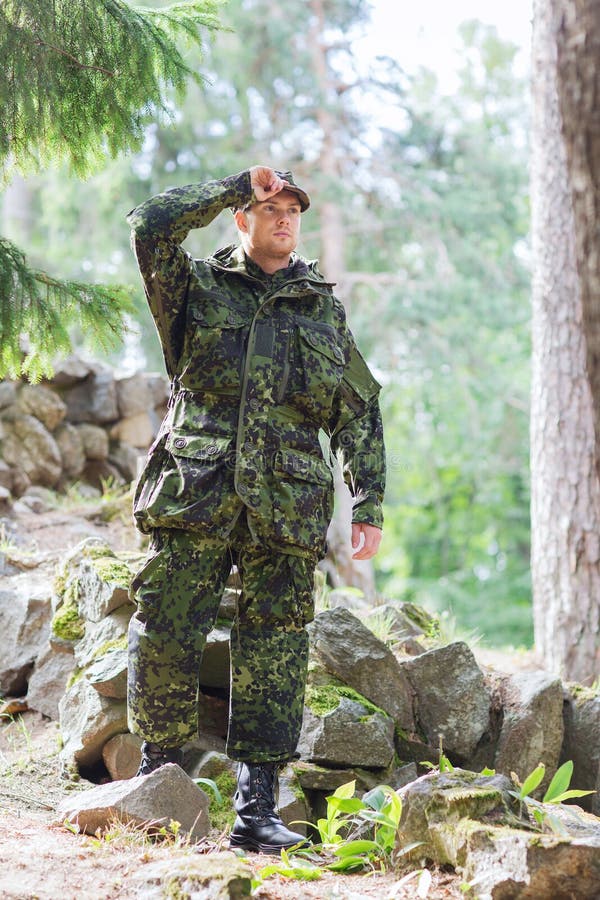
[[112, 570], [325, 698]]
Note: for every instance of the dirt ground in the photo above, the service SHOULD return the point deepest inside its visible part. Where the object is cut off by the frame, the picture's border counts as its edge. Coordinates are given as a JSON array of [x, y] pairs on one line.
[[42, 859]]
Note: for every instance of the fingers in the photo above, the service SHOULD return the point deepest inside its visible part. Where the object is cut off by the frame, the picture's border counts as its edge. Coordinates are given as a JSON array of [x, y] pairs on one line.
[[370, 536], [265, 182]]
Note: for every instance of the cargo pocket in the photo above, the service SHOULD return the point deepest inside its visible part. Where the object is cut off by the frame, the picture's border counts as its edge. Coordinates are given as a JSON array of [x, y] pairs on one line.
[[302, 500], [322, 364], [195, 489], [216, 347]]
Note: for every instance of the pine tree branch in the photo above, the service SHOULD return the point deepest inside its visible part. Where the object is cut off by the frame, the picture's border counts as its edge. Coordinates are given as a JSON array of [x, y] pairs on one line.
[[78, 81], [47, 310], [70, 56]]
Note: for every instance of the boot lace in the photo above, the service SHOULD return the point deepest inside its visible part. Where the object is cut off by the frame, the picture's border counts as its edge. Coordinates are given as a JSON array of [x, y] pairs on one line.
[[263, 792]]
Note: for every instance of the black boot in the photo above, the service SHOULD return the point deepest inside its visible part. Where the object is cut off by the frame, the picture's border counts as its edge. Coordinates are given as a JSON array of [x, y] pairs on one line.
[[154, 756], [257, 826]]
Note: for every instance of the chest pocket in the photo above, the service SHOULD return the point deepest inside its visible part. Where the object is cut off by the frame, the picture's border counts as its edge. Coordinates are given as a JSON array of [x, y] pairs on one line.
[[321, 364], [216, 338]]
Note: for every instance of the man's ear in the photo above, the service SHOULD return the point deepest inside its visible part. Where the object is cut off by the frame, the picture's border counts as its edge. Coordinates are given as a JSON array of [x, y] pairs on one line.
[[240, 220]]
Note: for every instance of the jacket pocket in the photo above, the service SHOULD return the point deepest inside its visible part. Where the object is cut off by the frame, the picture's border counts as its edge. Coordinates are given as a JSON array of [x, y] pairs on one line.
[[322, 364], [302, 499], [215, 346], [194, 487]]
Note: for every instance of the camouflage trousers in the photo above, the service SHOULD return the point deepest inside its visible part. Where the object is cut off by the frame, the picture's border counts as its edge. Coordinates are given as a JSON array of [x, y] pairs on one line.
[[178, 592]]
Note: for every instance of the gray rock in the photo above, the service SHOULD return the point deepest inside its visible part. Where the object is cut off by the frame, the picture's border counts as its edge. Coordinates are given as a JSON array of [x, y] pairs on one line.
[[48, 680], [312, 777], [100, 472], [349, 735], [94, 441], [452, 698], [44, 404], [472, 823], [164, 795], [216, 876], [291, 801], [29, 447], [121, 755], [25, 612], [133, 395], [137, 431], [94, 399], [582, 742], [69, 371], [347, 649], [87, 722], [5, 475], [127, 460], [109, 674], [101, 636], [159, 388], [523, 866], [228, 605], [70, 444], [8, 393], [395, 618], [214, 669], [532, 727], [103, 586]]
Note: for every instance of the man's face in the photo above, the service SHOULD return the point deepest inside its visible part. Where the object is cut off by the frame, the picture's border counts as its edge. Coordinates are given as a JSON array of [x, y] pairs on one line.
[[271, 228]]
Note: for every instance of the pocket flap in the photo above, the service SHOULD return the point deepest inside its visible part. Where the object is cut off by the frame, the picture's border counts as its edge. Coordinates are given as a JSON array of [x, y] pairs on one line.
[[303, 466], [205, 447], [218, 315], [324, 341]]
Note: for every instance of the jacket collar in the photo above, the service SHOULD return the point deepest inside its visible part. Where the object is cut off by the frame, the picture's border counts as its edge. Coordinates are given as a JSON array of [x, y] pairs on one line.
[[233, 259]]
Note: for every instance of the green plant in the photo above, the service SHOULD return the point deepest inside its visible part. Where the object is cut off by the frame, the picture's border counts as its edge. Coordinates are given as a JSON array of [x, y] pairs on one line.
[[557, 792], [355, 834]]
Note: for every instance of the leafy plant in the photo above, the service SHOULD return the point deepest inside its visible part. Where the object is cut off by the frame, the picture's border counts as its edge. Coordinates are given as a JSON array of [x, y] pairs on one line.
[[557, 792], [355, 834]]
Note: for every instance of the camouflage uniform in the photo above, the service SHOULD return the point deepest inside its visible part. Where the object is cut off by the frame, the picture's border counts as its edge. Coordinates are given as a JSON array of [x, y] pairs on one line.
[[259, 364]]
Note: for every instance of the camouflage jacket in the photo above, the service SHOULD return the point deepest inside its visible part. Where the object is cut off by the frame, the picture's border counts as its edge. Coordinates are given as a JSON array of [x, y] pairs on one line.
[[261, 367]]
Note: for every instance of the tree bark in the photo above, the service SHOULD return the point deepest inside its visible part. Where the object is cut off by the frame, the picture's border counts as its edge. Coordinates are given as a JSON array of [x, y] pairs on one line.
[[565, 506], [578, 46]]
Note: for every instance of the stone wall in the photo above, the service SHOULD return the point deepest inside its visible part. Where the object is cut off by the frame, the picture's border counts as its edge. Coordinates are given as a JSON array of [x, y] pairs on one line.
[[85, 425], [371, 714]]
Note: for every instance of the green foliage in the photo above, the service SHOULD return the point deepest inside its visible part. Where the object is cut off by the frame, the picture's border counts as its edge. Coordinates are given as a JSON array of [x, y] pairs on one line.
[[343, 846], [45, 309], [78, 83], [557, 791], [79, 80]]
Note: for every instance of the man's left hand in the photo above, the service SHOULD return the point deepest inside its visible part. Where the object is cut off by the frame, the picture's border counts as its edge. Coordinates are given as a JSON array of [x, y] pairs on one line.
[[370, 536]]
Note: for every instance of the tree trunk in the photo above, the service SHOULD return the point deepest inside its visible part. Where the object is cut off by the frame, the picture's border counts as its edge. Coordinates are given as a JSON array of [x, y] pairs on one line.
[[578, 44], [565, 506]]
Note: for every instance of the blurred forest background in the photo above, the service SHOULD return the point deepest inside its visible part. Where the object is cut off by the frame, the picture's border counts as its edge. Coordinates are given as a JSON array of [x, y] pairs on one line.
[[420, 213]]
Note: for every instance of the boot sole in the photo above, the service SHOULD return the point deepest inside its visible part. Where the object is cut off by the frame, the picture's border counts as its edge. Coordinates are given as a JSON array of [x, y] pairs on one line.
[[240, 843]]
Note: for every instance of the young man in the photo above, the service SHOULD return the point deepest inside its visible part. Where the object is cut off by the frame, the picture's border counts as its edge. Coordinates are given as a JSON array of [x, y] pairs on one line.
[[261, 359]]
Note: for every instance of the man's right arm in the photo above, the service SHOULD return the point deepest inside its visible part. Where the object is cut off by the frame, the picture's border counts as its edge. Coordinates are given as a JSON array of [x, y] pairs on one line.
[[159, 226]]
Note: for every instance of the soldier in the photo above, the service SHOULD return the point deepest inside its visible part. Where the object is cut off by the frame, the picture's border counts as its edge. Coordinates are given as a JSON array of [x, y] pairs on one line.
[[260, 359]]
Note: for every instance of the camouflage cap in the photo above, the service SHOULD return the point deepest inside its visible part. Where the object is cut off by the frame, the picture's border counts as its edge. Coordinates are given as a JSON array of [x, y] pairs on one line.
[[290, 185]]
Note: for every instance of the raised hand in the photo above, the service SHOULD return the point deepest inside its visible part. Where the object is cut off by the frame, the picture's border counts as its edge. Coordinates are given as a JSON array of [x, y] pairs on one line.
[[265, 182]]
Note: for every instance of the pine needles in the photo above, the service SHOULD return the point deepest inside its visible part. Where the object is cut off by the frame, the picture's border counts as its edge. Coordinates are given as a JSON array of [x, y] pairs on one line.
[[37, 313], [78, 82]]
